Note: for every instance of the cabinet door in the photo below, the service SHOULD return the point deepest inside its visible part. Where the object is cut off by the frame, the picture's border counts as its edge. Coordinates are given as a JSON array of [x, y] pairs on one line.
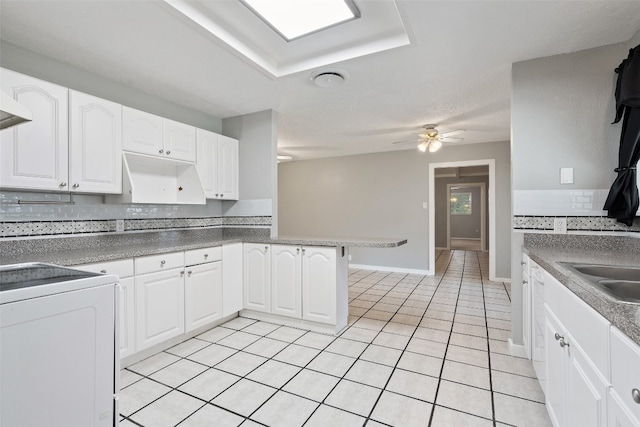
[[286, 277], [35, 155], [556, 371], [526, 305], [619, 414], [159, 307], [179, 141], [228, 168], [625, 370], [127, 317], [207, 161], [202, 295], [142, 132], [257, 277], [95, 156], [232, 292], [586, 391], [319, 284]]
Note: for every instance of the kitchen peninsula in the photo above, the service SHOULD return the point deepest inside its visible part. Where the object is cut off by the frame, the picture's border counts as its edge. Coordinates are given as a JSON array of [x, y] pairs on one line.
[[177, 283]]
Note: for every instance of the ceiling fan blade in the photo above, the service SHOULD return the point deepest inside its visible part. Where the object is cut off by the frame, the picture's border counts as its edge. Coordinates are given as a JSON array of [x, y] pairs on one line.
[[412, 141], [451, 132], [450, 138]]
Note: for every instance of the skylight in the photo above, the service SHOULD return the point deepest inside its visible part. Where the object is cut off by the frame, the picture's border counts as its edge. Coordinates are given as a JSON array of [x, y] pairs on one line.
[[294, 18]]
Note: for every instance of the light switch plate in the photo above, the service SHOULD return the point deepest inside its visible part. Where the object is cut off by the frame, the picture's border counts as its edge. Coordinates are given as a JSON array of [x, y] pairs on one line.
[[566, 175], [425, 205]]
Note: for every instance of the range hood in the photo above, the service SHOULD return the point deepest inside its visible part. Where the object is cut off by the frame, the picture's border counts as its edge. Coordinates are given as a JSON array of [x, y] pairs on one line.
[[12, 112]]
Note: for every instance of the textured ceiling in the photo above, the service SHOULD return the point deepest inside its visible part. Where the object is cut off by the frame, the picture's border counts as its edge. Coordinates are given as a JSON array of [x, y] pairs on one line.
[[455, 73]]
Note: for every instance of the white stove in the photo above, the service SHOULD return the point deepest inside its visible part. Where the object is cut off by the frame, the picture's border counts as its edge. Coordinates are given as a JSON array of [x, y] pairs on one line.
[[58, 364]]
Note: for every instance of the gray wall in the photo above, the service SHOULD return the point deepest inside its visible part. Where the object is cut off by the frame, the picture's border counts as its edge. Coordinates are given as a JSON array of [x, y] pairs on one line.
[[381, 195], [37, 65], [441, 210], [257, 136], [468, 226], [562, 109]]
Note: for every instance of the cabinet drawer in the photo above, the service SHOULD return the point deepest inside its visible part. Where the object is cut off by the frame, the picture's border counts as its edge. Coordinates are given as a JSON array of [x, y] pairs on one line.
[[200, 256], [152, 263], [625, 369], [121, 268]]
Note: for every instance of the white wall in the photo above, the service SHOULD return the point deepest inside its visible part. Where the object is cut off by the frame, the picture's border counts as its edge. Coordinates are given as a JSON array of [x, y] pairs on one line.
[[381, 195]]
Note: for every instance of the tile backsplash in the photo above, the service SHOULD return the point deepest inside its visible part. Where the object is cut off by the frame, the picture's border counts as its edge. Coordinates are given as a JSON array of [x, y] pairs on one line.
[[574, 223], [25, 214], [65, 227]]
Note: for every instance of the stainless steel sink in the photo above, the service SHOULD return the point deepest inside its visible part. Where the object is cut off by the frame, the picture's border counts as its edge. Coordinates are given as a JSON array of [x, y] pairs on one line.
[[621, 282], [609, 271]]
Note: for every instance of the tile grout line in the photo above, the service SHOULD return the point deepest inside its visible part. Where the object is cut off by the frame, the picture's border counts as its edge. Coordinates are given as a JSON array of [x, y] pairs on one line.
[[444, 357]]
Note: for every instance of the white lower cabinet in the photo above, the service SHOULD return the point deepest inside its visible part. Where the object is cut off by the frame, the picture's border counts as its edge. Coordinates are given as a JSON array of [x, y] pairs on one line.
[[576, 392], [319, 284], [286, 278], [232, 292], [202, 295], [159, 307], [257, 277], [299, 282], [127, 317], [625, 381], [124, 270]]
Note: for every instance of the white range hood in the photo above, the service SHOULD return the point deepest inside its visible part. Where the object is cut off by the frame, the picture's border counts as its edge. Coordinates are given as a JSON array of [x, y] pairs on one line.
[[12, 112]]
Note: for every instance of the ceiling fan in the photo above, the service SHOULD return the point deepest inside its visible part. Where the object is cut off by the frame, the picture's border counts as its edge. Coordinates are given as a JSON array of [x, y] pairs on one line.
[[431, 139]]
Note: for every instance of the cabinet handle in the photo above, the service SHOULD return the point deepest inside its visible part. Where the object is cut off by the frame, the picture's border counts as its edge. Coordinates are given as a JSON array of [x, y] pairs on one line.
[[298, 250], [63, 184], [525, 281], [563, 343], [558, 337], [182, 273], [168, 152], [189, 272], [161, 151], [217, 194], [523, 263], [266, 248], [303, 251], [163, 262], [76, 185], [635, 394], [221, 194], [206, 256], [103, 271]]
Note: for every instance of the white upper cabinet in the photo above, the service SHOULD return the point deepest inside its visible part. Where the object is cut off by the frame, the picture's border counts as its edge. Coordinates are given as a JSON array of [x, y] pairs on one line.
[[34, 155], [147, 133], [142, 132], [95, 155], [218, 165], [179, 141], [228, 168]]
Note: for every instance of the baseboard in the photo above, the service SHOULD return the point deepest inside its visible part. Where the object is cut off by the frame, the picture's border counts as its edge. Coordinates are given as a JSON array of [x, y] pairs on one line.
[[391, 269], [517, 350], [501, 279]]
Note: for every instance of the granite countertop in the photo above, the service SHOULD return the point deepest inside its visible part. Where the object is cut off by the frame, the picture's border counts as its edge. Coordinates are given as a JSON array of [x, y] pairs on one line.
[[91, 249], [623, 315]]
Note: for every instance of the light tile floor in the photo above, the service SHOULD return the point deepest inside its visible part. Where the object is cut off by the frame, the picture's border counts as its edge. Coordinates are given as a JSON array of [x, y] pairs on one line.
[[419, 351]]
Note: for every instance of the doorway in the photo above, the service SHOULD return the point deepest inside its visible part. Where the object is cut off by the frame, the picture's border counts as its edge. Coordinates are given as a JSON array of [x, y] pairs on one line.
[[489, 210], [466, 214]]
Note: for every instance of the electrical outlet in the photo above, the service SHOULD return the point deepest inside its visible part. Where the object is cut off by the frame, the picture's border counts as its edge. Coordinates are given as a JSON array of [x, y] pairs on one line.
[[119, 225], [560, 225], [349, 257]]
